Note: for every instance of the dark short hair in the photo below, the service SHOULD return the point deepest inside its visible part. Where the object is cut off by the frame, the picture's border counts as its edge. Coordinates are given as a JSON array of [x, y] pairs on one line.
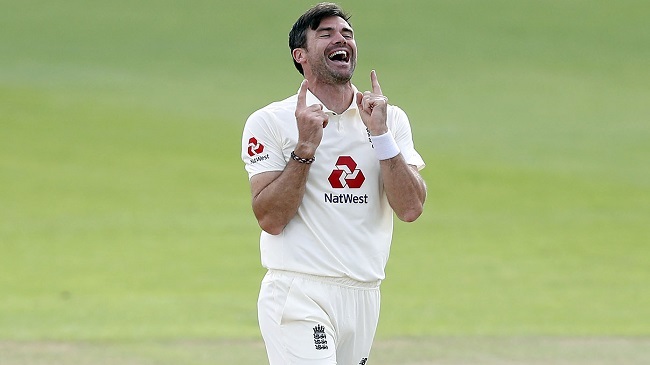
[[311, 19]]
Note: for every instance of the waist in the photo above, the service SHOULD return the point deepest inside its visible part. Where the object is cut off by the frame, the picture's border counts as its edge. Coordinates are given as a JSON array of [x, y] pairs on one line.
[[332, 280]]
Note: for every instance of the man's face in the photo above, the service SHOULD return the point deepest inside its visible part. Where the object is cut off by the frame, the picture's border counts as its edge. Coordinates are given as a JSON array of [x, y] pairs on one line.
[[331, 50]]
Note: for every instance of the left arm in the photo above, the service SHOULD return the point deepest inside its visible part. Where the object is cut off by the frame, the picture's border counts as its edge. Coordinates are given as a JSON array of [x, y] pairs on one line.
[[405, 188]]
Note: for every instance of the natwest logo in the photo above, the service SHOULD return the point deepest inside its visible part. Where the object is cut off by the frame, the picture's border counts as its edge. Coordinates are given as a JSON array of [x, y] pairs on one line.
[[346, 174], [254, 147]]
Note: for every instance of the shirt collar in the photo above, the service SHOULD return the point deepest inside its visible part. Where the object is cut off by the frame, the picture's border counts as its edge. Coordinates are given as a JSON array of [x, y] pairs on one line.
[[312, 99]]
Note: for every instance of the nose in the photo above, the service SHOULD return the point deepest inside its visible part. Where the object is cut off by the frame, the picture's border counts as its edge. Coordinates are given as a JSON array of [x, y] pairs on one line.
[[340, 39]]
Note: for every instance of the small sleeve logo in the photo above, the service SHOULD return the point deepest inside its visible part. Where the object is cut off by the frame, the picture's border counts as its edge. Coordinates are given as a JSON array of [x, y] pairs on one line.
[[254, 147]]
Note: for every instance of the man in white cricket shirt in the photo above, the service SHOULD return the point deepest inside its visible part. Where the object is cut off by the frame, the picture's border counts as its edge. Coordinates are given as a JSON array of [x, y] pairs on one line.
[[327, 168]]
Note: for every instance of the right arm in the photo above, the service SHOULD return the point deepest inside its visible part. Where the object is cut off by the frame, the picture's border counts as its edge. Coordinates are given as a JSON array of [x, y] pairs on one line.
[[276, 195]]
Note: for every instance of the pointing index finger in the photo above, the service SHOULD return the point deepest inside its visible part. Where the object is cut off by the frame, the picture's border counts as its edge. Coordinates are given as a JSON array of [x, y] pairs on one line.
[[376, 89], [302, 95]]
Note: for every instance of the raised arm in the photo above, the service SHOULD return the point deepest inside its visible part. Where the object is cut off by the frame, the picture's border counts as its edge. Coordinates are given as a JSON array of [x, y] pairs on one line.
[[405, 188], [276, 196]]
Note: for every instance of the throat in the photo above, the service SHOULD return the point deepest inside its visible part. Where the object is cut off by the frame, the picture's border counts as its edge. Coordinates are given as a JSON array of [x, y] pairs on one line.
[[336, 98]]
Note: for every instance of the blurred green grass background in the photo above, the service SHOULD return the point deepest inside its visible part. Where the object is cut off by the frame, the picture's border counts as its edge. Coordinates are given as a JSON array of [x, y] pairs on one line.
[[124, 206]]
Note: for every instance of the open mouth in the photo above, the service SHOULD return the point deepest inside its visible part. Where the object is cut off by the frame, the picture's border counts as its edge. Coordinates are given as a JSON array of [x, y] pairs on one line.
[[340, 55]]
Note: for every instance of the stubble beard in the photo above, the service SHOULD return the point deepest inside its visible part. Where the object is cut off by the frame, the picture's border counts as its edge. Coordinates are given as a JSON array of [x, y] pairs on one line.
[[324, 72]]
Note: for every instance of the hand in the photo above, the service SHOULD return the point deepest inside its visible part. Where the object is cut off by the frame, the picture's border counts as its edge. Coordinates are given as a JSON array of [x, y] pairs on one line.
[[372, 107], [311, 120]]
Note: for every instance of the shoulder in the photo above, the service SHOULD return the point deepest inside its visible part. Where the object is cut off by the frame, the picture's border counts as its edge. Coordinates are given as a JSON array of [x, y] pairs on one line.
[[396, 114], [286, 105], [277, 109], [392, 108]]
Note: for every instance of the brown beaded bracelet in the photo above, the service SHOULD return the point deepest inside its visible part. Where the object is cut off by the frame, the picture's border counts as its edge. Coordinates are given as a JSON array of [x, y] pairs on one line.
[[302, 160]]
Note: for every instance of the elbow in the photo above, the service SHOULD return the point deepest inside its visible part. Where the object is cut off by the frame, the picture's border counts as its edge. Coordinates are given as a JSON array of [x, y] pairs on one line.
[[411, 214], [270, 227], [268, 222]]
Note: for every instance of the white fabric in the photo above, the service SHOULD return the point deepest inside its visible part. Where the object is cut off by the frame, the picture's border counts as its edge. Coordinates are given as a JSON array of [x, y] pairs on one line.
[[385, 146], [317, 321], [340, 230]]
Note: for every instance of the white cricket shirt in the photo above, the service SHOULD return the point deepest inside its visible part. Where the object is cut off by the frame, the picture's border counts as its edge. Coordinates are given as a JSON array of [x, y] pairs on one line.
[[344, 226]]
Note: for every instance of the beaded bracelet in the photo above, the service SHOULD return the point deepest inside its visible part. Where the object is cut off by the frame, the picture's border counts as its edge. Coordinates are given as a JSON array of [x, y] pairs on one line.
[[302, 160]]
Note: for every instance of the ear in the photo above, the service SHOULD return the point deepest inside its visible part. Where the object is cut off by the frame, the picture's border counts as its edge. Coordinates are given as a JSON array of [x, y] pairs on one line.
[[299, 55]]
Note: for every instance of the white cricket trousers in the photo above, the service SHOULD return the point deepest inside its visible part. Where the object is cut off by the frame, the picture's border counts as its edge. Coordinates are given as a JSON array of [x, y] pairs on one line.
[[315, 320]]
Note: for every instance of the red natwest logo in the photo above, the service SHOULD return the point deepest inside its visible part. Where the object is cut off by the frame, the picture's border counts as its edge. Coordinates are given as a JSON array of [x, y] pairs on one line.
[[254, 147], [346, 174]]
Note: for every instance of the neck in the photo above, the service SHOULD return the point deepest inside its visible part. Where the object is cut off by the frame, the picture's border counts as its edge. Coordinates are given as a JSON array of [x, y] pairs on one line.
[[336, 97]]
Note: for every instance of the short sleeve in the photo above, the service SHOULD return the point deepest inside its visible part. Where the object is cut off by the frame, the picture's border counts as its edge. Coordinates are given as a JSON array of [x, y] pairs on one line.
[[401, 128], [261, 148]]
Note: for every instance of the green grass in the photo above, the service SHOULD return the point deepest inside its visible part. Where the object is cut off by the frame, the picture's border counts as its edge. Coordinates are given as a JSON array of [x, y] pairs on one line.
[[124, 206], [406, 351]]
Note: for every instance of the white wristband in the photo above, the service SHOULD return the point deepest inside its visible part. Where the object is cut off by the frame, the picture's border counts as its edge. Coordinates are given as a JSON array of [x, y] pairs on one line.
[[385, 146]]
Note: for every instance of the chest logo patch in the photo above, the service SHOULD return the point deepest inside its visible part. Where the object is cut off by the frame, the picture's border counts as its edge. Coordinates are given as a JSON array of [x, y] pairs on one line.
[[346, 174]]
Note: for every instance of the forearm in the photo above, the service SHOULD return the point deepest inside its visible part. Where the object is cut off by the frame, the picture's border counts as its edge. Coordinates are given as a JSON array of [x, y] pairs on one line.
[[405, 188], [276, 201]]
